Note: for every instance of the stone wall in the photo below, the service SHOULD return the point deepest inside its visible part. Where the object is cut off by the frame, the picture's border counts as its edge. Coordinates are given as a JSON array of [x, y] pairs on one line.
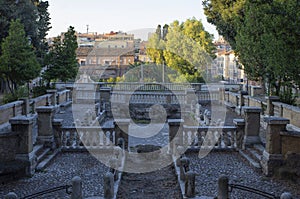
[[10, 110], [290, 142], [8, 149]]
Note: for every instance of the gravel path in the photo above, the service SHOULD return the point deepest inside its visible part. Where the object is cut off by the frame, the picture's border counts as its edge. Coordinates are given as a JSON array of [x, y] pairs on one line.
[[59, 173], [231, 164]]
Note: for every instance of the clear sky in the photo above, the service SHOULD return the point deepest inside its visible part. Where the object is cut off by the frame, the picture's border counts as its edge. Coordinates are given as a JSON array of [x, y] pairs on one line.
[[135, 16]]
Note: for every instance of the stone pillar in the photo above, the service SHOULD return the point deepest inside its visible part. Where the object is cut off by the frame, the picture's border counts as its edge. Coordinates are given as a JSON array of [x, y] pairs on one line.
[[175, 131], [122, 130], [241, 102], [57, 124], [11, 195], [53, 93], [270, 106], [240, 132], [22, 126], [45, 130], [108, 186], [252, 126], [76, 188], [190, 179], [223, 189], [184, 165], [105, 100], [272, 157]]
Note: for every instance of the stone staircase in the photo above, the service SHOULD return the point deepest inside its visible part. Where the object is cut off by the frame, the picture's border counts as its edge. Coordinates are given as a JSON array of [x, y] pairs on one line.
[[253, 155], [44, 156]]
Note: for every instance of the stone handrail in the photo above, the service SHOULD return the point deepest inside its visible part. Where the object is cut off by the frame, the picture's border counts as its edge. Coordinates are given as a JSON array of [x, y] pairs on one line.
[[86, 137], [218, 137]]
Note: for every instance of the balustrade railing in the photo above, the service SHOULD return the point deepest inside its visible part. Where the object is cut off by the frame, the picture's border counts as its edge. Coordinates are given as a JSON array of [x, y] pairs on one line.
[[219, 137], [86, 137]]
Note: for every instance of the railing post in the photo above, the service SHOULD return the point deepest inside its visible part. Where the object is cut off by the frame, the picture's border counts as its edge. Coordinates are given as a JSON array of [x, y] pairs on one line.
[[25, 106], [76, 188], [22, 126], [105, 100], [122, 130], [175, 131], [190, 184], [270, 106], [286, 195], [108, 186], [252, 126], [11, 195], [190, 97], [53, 93], [45, 129], [221, 95], [57, 124], [240, 132], [272, 157], [223, 188], [184, 164]]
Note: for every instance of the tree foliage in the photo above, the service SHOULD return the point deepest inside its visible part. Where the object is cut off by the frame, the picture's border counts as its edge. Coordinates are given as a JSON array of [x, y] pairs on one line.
[[185, 47], [33, 15], [61, 60], [18, 62], [265, 35]]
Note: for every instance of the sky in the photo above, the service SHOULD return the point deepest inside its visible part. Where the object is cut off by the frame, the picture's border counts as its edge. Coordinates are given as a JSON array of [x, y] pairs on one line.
[[132, 16]]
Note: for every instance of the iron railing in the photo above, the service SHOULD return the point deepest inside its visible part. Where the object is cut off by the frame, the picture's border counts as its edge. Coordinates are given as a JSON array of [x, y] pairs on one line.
[[252, 190], [41, 193]]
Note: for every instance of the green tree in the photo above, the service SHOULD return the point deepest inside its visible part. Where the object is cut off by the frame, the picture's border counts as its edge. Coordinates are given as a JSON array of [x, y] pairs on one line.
[[267, 42], [18, 62], [186, 48], [223, 14], [61, 60]]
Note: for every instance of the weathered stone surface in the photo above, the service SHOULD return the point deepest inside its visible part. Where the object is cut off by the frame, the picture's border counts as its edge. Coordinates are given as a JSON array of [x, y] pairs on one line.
[[8, 146]]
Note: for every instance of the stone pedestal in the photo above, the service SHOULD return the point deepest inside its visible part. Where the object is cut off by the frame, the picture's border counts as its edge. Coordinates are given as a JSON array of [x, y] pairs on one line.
[[22, 126], [272, 156], [252, 126], [240, 132], [190, 96], [175, 131], [122, 130], [270, 106], [45, 129]]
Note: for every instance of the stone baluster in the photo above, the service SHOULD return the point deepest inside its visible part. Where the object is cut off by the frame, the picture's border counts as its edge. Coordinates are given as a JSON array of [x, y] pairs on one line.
[[252, 126], [272, 157], [240, 132], [45, 128], [190, 97], [221, 95], [175, 131], [76, 188], [122, 130], [22, 126]]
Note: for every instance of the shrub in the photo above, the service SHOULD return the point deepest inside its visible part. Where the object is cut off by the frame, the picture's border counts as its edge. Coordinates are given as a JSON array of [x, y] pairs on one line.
[[19, 93]]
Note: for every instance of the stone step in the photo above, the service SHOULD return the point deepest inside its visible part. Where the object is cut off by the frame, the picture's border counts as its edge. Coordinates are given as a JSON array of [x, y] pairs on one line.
[[255, 154], [43, 155], [259, 148], [38, 149], [42, 165], [254, 163]]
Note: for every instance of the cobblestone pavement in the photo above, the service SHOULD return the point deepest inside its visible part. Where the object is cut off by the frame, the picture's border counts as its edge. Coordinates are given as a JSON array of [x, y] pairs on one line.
[[59, 173], [232, 165], [68, 165]]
